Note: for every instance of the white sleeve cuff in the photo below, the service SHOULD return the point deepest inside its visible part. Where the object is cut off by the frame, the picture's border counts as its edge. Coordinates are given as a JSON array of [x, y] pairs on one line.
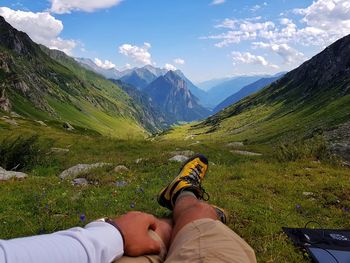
[[108, 238], [101, 241]]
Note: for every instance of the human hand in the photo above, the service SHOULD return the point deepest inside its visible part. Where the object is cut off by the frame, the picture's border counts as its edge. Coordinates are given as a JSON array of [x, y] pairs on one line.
[[134, 226]]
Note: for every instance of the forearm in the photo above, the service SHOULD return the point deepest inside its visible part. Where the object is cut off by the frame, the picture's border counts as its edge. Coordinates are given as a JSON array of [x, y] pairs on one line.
[[98, 242]]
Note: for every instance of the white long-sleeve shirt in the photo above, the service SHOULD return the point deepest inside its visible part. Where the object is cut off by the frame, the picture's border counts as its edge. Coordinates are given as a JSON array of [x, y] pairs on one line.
[[98, 242]]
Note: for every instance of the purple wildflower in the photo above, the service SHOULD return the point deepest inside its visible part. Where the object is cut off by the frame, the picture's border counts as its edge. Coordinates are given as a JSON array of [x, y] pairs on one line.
[[82, 218]]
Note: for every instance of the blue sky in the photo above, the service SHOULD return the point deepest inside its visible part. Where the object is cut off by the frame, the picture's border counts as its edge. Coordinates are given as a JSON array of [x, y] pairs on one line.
[[204, 38]]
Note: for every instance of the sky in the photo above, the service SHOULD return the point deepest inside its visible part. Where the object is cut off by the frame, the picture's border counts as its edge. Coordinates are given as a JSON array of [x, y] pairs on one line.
[[206, 39]]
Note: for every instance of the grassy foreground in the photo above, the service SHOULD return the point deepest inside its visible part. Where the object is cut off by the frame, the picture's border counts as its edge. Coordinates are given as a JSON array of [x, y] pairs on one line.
[[260, 193]]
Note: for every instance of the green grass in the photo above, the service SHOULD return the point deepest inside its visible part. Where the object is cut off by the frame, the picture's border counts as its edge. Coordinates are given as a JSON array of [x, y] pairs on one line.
[[261, 194]]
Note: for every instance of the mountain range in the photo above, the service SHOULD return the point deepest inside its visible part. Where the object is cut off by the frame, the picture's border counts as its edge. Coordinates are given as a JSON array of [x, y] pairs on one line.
[[246, 91]]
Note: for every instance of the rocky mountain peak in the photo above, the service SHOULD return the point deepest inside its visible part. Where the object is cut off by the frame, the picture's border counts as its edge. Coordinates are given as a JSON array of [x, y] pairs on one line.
[[15, 40]]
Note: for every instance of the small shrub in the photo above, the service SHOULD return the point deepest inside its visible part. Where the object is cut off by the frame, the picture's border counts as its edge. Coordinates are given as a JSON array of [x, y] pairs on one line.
[[314, 148], [18, 153]]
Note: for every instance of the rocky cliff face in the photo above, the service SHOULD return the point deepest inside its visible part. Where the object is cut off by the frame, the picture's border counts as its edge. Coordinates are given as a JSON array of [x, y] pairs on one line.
[[171, 94]]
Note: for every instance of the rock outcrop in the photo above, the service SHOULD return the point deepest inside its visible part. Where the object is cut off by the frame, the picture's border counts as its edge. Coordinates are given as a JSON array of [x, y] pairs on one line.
[[80, 168], [7, 175]]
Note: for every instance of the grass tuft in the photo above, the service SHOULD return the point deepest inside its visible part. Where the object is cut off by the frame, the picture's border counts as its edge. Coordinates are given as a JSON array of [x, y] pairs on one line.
[[18, 153], [315, 148]]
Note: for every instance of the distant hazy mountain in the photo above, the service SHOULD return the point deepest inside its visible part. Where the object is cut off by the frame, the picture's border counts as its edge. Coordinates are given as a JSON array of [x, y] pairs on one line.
[[208, 84], [139, 77], [150, 113], [220, 92], [156, 71], [171, 93], [246, 91], [112, 73]]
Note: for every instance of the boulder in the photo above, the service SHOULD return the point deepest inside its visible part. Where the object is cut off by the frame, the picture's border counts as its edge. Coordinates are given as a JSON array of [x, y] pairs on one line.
[[80, 168], [178, 158], [187, 153], [59, 150], [68, 126], [6, 175], [139, 160], [121, 169], [121, 183], [235, 144], [9, 121], [41, 123], [80, 181], [246, 153]]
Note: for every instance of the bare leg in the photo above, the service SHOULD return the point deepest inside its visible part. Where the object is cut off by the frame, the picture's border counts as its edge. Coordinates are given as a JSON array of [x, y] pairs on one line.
[[188, 209]]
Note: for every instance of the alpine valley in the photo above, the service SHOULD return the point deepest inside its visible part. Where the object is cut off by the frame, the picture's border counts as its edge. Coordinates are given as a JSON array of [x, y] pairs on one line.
[[79, 141]]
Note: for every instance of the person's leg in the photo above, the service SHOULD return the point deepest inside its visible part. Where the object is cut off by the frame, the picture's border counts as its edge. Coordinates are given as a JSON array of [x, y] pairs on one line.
[[188, 209], [197, 234]]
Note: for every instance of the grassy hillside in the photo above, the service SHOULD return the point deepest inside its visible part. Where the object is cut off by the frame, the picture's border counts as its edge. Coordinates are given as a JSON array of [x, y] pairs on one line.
[[48, 85], [312, 99], [260, 193]]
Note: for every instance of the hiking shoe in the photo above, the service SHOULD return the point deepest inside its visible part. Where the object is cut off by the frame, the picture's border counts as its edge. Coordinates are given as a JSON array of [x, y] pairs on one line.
[[189, 178], [221, 213]]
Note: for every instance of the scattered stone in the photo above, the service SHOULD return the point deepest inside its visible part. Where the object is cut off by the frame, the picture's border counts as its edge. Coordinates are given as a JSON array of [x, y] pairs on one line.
[[195, 143], [308, 194], [235, 144], [140, 160], [41, 123], [187, 153], [58, 150], [79, 168], [80, 182], [9, 121], [121, 183], [178, 158], [189, 137], [15, 115], [212, 163], [121, 169], [246, 153], [68, 126], [346, 164], [7, 175]]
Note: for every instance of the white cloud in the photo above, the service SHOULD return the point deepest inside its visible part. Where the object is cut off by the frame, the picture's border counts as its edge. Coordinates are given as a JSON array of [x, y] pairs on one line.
[[227, 23], [179, 61], [289, 54], [241, 30], [67, 6], [248, 58], [323, 22], [255, 8], [139, 54], [169, 67], [41, 27], [104, 64], [218, 2], [325, 19]]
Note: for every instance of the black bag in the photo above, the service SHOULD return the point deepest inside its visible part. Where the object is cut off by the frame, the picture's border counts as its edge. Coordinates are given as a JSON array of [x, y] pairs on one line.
[[323, 245]]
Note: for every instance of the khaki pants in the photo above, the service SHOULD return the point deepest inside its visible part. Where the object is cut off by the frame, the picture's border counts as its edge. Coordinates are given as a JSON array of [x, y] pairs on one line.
[[204, 240]]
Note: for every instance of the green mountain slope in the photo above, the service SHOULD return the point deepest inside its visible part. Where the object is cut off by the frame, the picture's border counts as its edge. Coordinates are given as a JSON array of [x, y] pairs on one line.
[[314, 98], [39, 83]]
